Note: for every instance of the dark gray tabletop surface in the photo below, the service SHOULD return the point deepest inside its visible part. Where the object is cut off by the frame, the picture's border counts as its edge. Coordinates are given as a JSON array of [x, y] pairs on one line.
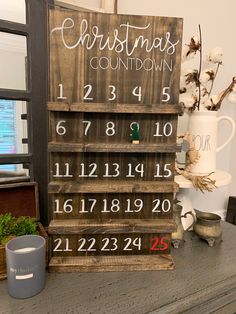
[[204, 281]]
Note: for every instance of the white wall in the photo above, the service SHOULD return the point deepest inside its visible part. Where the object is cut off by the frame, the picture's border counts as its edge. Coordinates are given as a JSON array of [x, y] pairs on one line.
[[13, 10], [217, 22]]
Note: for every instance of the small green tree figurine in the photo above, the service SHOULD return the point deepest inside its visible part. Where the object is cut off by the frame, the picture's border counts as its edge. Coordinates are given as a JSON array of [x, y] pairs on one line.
[[135, 136]]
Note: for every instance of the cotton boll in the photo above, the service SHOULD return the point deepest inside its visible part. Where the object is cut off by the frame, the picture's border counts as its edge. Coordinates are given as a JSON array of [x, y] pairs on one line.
[[190, 50], [185, 79], [182, 83], [204, 94], [207, 75], [203, 106], [196, 40], [188, 100], [232, 98], [216, 55], [207, 103], [186, 54]]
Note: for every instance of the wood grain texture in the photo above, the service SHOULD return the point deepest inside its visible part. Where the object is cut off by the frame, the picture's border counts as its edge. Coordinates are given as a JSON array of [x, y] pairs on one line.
[[106, 244], [115, 108], [119, 65], [114, 226], [106, 73], [20, 199], [111, 264], [118, 187], [113, 148], [68, 127], [84, 167], [104, 206]]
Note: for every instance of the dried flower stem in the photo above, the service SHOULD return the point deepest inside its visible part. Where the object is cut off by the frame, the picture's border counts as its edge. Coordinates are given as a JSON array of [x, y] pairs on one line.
[[200, 66], [224, 93], [212, 82]]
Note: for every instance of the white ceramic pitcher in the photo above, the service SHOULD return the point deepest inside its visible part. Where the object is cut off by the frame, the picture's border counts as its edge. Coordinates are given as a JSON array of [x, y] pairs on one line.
[[203, 127]]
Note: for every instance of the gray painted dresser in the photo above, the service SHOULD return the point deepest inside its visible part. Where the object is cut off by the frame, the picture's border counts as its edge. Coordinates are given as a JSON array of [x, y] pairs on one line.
[[204, 281]]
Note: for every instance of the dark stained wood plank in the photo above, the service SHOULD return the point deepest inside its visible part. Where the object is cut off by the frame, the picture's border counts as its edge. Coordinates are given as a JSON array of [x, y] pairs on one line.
[[15, 94], [112, 226], [14, 28], [107, 187], [115, 108], [112, 167], [104, 244], [15, 158], [107, 147], [105, 128], [104, 206], [100, 86], [110, 263], [58, 106], [144, 59]]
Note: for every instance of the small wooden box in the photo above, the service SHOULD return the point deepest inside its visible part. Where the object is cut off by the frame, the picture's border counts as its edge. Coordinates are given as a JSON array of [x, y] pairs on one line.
[[20, 199]]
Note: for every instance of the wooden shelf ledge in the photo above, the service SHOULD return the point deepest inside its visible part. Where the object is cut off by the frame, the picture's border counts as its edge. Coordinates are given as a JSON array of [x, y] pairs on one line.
[[116, 108], [114, 226], [113, 187], [111, 263], [114, 147]]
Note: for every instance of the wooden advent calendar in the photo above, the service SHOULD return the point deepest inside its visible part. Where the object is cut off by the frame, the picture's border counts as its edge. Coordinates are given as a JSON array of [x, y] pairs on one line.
[[111, 200]]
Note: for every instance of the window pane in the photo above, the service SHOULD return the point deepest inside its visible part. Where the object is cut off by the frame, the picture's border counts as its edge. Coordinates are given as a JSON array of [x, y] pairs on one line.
[[13, 54], [12, 170], [13, 129], [13, 10], [7, 168]]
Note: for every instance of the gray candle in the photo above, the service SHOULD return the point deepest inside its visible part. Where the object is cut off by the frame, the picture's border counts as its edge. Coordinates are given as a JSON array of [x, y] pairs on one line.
[[25, 258]]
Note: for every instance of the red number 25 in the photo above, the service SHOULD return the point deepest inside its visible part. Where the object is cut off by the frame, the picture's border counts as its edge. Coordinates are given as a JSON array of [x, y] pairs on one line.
[[162, 244]]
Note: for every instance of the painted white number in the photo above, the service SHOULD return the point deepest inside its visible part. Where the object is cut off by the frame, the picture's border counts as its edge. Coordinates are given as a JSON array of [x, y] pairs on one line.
[[60, 129], [61, 92], [137, 91], [83, 241], [138, 169], [67, 171], [166, 171], [67, 208], [91, 248], [137, 203], [166, 94], [90, 200], [167, 129], [89, 89], [117, 172], [165, 206], [135, 242], [59, 243], [91, 173], [113, 94], [107, 240], [115, 206], [110, 128], [87, 126]]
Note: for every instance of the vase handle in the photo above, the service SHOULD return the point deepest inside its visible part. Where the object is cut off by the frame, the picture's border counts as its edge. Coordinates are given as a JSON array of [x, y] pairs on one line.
[[231, 121], [193, 216]]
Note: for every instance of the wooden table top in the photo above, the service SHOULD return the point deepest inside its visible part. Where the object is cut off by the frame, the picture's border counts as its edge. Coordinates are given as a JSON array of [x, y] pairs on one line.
[[204, 281]]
